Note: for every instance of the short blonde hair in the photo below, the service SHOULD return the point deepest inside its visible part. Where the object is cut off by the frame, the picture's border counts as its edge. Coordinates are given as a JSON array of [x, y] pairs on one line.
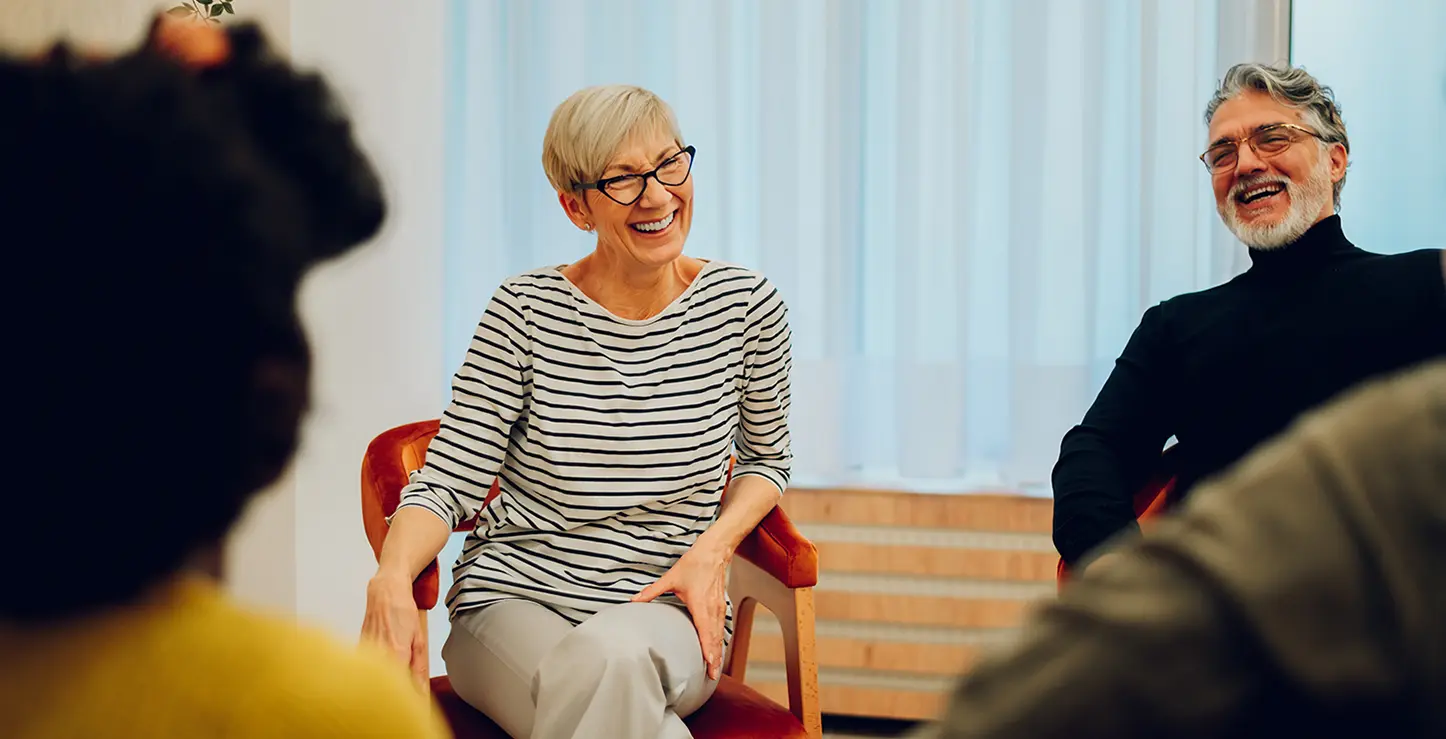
[[589, 127]]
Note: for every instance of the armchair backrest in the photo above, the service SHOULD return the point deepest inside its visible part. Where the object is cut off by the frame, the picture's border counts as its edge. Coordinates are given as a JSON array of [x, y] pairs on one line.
[[1154, 495], [389, 461]]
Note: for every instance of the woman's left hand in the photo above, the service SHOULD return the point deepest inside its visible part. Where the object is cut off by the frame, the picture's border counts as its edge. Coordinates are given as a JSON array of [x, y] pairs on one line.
[[698, 579]]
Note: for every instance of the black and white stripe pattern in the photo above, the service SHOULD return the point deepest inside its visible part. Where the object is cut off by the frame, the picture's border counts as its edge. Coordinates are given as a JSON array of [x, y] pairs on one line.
[[611, 437]]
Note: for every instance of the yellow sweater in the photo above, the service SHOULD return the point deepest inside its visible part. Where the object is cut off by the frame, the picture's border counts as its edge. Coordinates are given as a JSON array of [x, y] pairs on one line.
[[189, 663]]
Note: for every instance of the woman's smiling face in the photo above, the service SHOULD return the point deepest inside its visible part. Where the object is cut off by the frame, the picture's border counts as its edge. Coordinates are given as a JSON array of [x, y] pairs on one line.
[[649, 231]]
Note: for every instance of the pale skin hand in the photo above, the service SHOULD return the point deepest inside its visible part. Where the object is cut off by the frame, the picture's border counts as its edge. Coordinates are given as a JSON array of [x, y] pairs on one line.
[[415, 538], [698, 578]]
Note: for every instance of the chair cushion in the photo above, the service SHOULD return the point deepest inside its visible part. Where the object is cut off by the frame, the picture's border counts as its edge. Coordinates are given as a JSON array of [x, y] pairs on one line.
[[735, 711], [466, 722]]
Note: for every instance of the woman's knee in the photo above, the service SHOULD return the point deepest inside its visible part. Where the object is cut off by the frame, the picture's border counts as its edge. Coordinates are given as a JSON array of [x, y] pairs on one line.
[[492, 655], [592, 651]]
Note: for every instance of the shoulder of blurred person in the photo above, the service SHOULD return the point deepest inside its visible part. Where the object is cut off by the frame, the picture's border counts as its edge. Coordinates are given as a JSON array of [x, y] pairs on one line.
[[189, 662], [1300, 591]]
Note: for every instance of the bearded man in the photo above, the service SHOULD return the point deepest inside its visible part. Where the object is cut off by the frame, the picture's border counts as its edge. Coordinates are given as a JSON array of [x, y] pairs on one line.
[[1225, 369]]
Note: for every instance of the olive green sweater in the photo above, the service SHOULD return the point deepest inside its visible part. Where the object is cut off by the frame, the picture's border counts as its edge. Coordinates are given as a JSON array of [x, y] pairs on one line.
[[1302, 593]]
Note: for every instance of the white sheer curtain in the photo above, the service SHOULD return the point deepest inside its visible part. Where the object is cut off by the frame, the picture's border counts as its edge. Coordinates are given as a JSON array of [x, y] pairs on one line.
[[967, 205]]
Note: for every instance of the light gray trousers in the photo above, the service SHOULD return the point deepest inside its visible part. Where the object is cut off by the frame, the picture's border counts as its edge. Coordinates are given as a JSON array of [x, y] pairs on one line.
[[632, 670]]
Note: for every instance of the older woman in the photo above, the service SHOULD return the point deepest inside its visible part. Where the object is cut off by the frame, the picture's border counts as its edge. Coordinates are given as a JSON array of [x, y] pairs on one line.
[[606, 397]]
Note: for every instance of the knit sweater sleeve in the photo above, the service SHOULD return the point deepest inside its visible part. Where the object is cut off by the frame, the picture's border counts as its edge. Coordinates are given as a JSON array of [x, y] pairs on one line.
[[1113, 449]]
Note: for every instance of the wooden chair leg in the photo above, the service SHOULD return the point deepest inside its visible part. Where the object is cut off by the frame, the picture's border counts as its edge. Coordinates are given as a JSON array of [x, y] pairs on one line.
[[800, 648], [795, 611], [743, 612]]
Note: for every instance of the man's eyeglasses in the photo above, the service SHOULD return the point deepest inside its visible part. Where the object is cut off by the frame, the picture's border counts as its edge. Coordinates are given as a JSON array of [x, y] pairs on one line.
[[1265, 141], [626, 189]]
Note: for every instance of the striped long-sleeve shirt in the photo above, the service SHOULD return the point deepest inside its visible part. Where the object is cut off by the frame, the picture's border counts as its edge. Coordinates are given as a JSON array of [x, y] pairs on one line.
[[610, 438]]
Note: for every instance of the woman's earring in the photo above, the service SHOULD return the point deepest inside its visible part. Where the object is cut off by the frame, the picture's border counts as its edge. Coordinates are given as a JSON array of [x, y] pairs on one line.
[[587, 226]]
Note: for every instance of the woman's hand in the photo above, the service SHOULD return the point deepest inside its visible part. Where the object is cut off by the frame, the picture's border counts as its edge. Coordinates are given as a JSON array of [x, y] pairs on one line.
[[698, 579], [392, 622]]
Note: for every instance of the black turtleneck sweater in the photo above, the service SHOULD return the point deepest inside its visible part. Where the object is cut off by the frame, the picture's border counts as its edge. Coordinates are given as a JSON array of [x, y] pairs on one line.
[[1224, 369]]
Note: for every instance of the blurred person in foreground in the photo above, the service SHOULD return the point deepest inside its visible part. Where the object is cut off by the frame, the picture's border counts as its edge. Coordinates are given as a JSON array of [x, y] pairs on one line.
[[161, 208], [1302, 593], [1222, 370]]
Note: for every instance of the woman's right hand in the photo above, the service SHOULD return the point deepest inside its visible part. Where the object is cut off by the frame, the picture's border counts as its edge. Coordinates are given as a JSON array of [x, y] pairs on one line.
[[393, 623]]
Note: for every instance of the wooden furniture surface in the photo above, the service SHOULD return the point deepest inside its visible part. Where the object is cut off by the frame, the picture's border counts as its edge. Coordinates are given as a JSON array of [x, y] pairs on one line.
[[912, 588]]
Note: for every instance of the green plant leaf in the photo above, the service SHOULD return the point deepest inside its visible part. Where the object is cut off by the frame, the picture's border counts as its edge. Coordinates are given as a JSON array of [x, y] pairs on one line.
[[227, 6], [179, 10], [204, 2], [216, 10]]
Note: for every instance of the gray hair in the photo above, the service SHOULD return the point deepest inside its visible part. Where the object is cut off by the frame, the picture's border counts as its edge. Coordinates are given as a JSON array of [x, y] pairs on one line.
[[1293, 87], [587, 129]]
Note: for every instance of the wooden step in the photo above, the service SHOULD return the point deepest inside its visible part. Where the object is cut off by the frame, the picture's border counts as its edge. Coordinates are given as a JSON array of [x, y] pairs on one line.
[[860, 654], [999, 513], [912, 589], [846, 700], [974, 564], [924, 610]]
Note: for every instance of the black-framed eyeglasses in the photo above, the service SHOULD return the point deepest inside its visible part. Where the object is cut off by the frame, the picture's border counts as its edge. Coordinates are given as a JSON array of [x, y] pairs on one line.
[[627, 189], [1266, 141]]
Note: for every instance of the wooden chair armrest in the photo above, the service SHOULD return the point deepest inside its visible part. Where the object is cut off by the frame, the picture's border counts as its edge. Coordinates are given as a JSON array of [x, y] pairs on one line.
[[776, 547], [750, 586]]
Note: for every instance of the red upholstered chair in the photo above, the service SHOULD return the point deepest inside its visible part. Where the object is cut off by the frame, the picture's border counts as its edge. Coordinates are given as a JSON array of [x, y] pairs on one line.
[[1150, 501], [775, 566]]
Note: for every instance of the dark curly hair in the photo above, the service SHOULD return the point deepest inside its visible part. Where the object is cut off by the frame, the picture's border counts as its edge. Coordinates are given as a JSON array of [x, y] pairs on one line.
[[157, 221]]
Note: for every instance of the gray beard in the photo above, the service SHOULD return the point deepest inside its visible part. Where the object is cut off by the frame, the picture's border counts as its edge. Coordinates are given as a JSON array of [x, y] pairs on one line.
[[1306, 202]]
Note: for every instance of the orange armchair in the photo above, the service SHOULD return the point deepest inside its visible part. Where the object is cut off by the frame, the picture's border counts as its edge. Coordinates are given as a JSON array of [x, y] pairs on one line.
[[775, 566], [1150, 500]]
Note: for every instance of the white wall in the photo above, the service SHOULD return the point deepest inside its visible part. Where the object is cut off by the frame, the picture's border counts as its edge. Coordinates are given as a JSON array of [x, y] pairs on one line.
[[375, 317]]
